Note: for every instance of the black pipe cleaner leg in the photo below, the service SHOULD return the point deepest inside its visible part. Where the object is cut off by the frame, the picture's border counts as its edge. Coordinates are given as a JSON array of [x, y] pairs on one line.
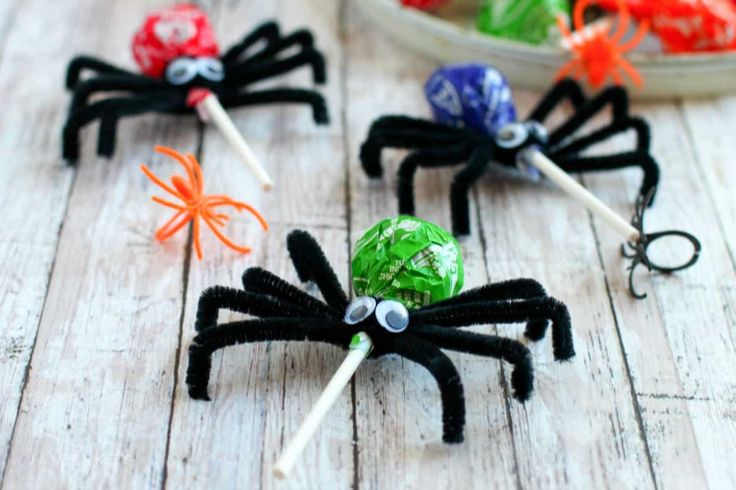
[[312, 265], [567, 88], [213, 299], [281, 95], [506, 290], [460, 188], [262, 281], [266, 68], [302, 38], [402, 132], [487, 312], [79, 63], [448, 381], [439, 157], [640, 159], [616, 97], [268, 32], [510, 350], [220, 336]]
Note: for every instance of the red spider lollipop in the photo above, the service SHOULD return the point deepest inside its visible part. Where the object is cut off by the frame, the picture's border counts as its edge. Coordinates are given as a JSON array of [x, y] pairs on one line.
[[178, 43], [182, 71]]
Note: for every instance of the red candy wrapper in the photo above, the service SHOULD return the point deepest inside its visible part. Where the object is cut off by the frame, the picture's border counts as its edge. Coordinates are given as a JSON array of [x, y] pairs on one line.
[[686, 26], [424, 4], [182, 30]]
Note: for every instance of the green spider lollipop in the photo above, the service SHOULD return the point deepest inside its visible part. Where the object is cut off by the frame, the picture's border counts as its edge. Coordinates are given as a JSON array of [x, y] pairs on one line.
[[408, 260]]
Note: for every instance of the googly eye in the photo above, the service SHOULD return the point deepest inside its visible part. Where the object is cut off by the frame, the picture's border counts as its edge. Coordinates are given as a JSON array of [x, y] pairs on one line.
[[540, 132], [512, 135], [211, 69], [392, 315], [359, 309], [181, 71]]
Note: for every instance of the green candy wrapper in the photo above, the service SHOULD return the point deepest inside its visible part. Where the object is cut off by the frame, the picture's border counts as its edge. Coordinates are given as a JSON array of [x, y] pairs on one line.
[[408, 260], [529, 21]]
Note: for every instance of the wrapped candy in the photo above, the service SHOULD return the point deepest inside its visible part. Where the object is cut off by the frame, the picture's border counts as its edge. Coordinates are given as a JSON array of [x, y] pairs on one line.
[[473, 95], [408, 260], [530, 21], [424, 4], [687, 25]]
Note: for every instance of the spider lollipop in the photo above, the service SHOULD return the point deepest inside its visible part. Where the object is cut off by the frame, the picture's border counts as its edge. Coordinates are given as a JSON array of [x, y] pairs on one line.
[[183, 72], [407, 274], [476, 123]]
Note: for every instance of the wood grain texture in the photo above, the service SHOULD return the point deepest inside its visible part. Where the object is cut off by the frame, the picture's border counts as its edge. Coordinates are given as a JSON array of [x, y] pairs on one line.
[[581, 427], [679, 342], [34, 184], [261, 392], [95, 408], [398, 404], [96, 318]]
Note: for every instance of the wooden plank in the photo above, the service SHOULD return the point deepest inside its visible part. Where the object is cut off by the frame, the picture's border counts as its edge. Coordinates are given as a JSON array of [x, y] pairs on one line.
[[34, 183], [261, 392], [710, 127], [398, 405], [580, 429], [678, 341], [96, 405]]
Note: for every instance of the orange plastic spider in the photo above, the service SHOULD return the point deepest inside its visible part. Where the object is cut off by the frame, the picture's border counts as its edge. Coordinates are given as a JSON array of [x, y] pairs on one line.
[[597, 52], [196, 204]]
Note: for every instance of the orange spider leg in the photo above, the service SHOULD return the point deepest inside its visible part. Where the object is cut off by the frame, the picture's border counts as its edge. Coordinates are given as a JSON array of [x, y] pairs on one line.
[[562, 25], [165, 150], [220, 219], [171, 227], [631, 71], [566, 69], [195, 238], [624, 21], [636, 39], [242, 206], [168, 204], [617, 78], [223, 238], [160, 182], [578, 20], [191, 190], [198, 177]]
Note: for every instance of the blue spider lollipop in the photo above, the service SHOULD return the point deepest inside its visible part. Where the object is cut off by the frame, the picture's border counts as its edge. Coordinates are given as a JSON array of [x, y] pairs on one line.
[[475, 121], [474, 96]]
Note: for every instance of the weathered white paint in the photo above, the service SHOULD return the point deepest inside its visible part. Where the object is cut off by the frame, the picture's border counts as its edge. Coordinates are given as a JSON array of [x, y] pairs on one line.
[[653, 380]]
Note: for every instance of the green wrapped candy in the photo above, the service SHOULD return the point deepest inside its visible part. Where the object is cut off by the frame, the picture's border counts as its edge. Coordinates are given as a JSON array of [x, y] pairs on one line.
[[408, 260], [530, 21]]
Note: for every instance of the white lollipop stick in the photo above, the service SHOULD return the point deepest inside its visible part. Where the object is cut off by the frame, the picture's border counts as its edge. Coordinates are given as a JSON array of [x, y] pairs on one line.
[[360, 347], [214, 110], [538, 160]]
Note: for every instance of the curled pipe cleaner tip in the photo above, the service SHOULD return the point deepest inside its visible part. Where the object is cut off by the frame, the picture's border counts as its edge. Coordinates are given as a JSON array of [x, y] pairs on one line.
[[196, 204], [640, 254], [597, 52]]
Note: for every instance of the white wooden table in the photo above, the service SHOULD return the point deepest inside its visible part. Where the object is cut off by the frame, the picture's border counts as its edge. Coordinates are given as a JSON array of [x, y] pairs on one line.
[[96, 317]]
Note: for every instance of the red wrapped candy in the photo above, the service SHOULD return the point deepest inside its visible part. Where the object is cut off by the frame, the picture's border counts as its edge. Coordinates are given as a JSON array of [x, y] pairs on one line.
[[424, 4], [182, 30], [687, 25]]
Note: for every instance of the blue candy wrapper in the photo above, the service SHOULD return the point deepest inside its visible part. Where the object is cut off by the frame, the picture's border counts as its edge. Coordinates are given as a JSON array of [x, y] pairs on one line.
[[475, 96]]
